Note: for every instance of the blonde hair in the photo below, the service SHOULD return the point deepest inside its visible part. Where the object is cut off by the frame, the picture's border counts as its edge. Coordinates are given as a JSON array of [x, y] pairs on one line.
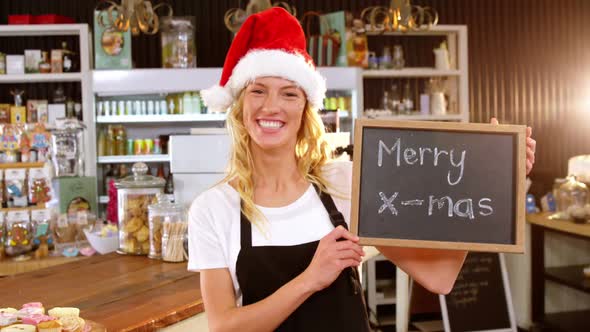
[[311, 151]]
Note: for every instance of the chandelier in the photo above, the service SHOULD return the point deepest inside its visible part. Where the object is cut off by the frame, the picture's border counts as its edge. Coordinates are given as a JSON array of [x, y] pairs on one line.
[[401, 15], [235, 17], [135, 15]]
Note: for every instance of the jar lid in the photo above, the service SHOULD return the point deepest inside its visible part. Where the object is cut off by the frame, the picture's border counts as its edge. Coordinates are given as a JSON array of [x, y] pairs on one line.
[[165, 206], [140, 179], [572, 184], [181, 23]]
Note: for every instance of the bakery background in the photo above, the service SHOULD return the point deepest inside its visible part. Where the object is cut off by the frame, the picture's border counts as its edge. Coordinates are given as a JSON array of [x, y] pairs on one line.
[[527, 64]]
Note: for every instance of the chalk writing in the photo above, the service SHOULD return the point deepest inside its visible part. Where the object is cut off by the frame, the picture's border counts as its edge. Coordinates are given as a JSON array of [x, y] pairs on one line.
[[411, 157]]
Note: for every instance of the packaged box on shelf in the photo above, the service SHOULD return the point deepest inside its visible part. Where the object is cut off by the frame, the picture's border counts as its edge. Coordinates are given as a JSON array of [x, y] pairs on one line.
[[15, 64], [18, 114], [4, 113], [75, 194], [2, 63], [112, 49], [32, 60], [57, 65], [36, 111], [55, 111]]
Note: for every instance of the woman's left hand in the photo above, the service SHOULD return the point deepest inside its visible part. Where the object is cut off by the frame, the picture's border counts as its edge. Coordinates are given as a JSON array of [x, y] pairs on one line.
[[531, 146]]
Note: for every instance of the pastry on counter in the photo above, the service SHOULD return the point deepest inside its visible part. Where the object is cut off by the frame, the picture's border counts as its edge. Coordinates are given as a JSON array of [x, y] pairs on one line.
[[49, 326], [72, 323], [19, 328], [59, 312], [8, 311], [7, 319]]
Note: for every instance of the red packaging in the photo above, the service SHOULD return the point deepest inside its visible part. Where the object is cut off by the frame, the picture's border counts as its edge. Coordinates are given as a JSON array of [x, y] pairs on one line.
[[52, 19], [20, 19]]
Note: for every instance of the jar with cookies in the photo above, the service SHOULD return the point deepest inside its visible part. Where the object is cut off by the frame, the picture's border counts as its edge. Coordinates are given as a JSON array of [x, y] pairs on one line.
[[134, 194]]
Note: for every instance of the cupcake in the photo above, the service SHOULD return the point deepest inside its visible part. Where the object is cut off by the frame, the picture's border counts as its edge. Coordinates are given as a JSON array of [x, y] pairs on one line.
[[49, 326], [72, 324]]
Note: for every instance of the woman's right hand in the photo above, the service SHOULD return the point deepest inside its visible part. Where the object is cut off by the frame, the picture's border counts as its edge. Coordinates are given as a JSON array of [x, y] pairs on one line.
[[332, 256]]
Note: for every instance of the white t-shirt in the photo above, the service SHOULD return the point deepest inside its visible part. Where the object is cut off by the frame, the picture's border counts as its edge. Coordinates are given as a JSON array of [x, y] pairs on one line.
[[214, 222]]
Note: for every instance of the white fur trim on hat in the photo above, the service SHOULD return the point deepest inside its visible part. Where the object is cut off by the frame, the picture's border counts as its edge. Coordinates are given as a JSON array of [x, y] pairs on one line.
[[261, 63], [217, 98]]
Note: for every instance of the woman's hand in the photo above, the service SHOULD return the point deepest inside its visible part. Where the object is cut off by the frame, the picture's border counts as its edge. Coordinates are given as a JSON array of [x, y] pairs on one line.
[[331, 257], [531, 146]]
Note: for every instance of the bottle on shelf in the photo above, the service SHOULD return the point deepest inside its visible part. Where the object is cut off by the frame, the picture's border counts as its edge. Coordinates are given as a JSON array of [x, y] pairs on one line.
[[110, 141], [123, 171], [396, 105], [169, 186], [407, 100], [187, 103], [170, 102], [178, 102], [196, 102], [44, 65], [160, 172], [108, 176], [102, 143], [67, 58]]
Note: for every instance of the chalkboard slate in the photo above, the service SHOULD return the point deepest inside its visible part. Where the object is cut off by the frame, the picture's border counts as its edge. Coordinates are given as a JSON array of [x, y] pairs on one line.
[[481, 298], [439, 185]]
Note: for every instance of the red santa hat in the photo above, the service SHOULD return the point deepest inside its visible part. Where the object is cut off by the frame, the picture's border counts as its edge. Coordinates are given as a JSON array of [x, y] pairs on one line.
[[269, 43]]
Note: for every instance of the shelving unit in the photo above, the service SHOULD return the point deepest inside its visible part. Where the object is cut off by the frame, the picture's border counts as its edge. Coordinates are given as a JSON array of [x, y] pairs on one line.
[[570, 276], [84, 76], [382, 292], [155, 83], [456, 38]]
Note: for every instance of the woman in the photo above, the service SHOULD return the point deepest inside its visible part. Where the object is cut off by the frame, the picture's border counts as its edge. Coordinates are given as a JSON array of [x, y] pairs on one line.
[[271, 241]]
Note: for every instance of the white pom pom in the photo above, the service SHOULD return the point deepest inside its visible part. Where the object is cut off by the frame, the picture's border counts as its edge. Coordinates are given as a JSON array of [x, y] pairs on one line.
[[217, 98]]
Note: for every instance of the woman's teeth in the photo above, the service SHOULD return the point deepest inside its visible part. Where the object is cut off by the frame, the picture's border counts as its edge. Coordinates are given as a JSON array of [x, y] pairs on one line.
[[270, 124]]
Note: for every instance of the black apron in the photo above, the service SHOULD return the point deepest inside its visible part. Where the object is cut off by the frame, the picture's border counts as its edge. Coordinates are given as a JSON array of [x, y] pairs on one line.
[[263, 270]]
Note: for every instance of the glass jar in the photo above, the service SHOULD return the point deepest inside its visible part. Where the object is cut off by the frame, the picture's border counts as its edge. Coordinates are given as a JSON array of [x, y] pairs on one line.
[[398, 61], [134, 194], [18, 239], [174, 217], [178, 43], [67, 148], [572, 197]]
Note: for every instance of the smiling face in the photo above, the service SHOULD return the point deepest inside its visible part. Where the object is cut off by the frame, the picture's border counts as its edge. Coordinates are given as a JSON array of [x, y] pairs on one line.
[[272, 111]]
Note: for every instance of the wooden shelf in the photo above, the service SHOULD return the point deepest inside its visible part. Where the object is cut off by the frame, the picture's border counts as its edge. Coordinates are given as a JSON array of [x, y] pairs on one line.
[[571, 276], [148, 158], [170, 118], [409, 72], [564, 226], [35, 78], [568, 321], [22, 165]]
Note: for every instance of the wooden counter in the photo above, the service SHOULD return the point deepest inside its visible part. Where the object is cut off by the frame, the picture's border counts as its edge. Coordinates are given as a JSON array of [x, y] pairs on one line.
[[562, 226], [124, 293]]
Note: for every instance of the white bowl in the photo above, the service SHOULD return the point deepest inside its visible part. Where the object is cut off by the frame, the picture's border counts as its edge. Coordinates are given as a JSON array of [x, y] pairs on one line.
[[102, 245]]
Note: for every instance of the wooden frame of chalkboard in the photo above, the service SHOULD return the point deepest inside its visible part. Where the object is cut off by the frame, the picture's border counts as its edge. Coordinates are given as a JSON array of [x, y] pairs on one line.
[[484, 142], [476, 304]]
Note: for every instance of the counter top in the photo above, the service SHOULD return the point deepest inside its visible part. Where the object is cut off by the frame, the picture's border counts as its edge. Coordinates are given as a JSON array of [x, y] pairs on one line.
[[565, 226], [123, 293]]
